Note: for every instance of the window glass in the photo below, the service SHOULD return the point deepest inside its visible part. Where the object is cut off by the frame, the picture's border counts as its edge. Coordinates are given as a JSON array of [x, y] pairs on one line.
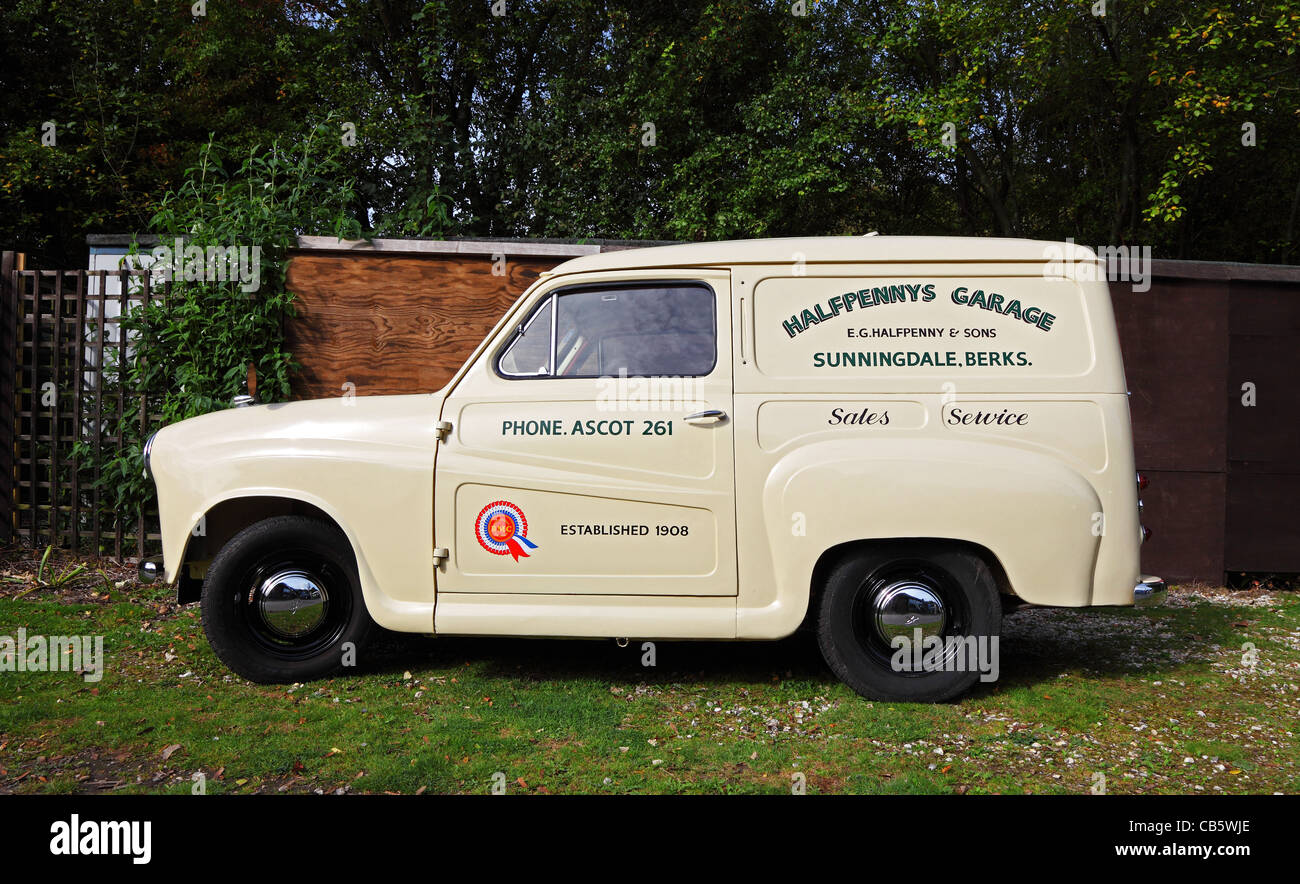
[[529, 354], [639, 331]]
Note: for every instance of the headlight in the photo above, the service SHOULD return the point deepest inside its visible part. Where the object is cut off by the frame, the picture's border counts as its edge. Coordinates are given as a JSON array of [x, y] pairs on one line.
[[148, 449]]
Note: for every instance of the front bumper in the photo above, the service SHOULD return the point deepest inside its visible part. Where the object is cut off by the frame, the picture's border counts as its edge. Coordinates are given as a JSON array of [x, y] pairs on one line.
[[1149, 591]]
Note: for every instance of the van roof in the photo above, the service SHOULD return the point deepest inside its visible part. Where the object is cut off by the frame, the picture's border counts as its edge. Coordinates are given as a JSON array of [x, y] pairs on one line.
[[829, 249]]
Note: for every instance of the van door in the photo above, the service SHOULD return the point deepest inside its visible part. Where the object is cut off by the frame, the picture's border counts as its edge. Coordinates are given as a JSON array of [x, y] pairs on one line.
[[590, 450]]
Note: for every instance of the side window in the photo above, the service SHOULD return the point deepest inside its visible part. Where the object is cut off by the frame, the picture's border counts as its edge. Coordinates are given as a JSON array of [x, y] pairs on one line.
[[528, 355], [664, 329]]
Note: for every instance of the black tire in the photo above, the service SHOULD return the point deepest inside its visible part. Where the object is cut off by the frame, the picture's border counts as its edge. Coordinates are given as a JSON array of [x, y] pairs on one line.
[[957, 597], [282, 598]]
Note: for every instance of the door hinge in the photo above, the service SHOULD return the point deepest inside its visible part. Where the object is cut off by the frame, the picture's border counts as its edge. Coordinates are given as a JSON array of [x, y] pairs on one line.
[[442, 429], [440, 554]]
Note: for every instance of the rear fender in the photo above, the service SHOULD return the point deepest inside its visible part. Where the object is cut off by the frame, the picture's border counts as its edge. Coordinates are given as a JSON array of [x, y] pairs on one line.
[[1034, 513]]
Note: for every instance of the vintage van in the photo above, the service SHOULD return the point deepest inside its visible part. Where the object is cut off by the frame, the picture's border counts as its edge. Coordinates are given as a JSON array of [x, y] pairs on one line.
[[886, 439]]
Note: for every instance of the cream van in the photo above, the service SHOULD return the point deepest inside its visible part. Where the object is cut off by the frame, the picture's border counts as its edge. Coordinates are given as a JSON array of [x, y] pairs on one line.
[[886, 439]]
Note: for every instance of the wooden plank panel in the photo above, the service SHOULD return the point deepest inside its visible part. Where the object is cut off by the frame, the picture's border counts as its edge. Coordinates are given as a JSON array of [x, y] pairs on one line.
[[1264, 437], [1185, 512], [33, 399], [1175, 344], [1265, 308], [1264, 350], [146, 296], [8, 409], [1263, 532], [98, 434], [79, 369], [394, 324], [124, 294], [56, 378]]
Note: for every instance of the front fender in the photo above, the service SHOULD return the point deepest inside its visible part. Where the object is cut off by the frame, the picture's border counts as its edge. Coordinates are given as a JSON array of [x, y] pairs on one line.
[[367, 465]]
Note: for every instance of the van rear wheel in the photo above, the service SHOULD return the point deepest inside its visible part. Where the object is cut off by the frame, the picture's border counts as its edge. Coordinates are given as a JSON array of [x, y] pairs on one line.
[[912, 622], [282, 601]]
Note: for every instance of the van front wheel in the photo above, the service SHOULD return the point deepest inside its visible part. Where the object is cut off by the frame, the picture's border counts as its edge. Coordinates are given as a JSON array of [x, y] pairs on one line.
[[910, 622], [282, 601]]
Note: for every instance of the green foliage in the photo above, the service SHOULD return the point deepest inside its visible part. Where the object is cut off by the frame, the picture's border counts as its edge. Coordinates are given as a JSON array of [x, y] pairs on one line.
[[1228, 69], [191, 345], [134, 89], [1122, 127]]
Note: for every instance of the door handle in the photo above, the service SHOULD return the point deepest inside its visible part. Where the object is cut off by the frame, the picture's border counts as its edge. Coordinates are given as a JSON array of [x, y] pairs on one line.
[[708, 416]]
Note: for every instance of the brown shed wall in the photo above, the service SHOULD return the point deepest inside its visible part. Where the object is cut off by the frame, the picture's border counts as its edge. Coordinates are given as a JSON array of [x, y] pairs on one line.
[[395, 324], [1225, 475]]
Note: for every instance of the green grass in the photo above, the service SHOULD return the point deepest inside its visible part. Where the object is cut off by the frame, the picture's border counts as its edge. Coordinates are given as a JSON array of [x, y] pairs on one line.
[[1130, 694]]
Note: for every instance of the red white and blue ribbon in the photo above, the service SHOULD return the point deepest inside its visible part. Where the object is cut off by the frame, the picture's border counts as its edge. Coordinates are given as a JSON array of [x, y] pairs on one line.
[[501, 529]]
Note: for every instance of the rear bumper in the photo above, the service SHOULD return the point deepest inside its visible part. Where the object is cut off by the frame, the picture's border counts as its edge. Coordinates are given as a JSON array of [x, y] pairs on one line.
[[1149, 591]]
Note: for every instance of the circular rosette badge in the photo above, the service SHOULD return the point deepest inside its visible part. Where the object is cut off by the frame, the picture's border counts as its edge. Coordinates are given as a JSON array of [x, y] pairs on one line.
[[501, 529]]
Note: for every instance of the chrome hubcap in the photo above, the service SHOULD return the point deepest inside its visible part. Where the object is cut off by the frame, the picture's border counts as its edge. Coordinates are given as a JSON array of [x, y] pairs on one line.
[[904, 607], [292, 603]]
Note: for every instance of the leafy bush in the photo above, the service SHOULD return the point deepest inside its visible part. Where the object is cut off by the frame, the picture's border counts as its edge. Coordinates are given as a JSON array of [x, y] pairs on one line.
[[191, 345]]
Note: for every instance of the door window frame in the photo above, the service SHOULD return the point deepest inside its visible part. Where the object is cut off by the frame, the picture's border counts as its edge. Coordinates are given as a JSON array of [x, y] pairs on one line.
[[552, 298]]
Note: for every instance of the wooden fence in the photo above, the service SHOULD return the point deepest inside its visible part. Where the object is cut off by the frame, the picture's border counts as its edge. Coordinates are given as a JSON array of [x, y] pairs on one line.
[[63, 349]]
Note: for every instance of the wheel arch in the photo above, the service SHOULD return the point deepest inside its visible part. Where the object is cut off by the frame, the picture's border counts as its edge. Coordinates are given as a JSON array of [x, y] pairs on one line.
[[226, 518], [833, 555]]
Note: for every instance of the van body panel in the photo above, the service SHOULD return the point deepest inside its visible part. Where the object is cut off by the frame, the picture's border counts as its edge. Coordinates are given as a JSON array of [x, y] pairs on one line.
[[835, 392]]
